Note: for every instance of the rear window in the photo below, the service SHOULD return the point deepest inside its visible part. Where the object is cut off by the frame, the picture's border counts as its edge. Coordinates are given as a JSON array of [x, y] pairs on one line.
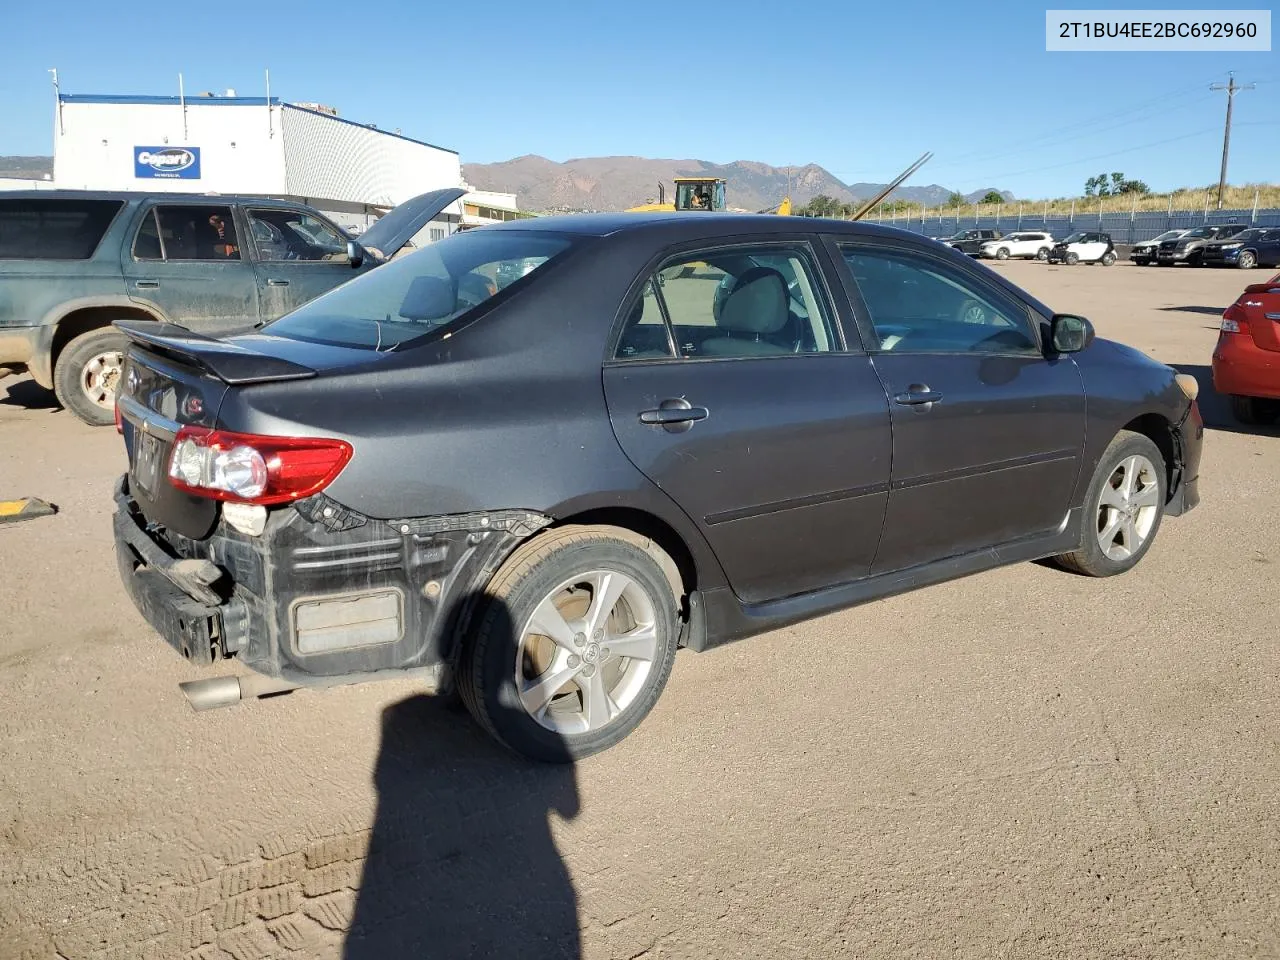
[[53, 229], [425, 292]]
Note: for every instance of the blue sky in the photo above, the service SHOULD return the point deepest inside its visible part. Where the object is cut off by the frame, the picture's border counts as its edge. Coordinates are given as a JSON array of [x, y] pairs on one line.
[[859, 88]]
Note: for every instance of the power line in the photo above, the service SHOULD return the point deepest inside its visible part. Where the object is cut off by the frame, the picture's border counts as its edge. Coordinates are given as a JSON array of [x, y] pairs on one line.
[[1101, 156], [1232, 89]]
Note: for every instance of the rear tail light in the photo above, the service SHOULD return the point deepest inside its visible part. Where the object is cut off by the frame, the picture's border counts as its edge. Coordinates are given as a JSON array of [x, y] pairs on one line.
[[1233, 320], [119, 417], [247, 468]]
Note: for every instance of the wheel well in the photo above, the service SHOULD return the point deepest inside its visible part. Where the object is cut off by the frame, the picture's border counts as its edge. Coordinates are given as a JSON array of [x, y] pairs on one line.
[[646, 525], [1159, 431], [90, 318]]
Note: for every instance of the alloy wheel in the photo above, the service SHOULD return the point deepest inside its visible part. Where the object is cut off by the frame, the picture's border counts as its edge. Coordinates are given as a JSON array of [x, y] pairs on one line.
[[1128, 507], [585, 653], [100, 377]]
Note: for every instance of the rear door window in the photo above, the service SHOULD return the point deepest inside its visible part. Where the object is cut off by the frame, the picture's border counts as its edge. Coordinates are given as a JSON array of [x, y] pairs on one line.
[[53, 229], [205, 232]]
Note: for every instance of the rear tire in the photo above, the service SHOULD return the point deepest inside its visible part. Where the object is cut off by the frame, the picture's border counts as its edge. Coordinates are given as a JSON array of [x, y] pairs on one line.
[[1108, 259], [509, 662], [1119, 527], [87, 373], [1042, 254], [1255, 411]]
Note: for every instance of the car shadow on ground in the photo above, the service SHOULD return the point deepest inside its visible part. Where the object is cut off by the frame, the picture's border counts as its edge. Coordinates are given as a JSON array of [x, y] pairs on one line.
[[1207, 311], [461, 860], [1215, 408], [21, 391]]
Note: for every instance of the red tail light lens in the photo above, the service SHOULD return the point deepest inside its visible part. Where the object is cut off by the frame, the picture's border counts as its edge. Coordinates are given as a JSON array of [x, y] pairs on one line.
[[1234, 320], [248, 468], [119, 417]]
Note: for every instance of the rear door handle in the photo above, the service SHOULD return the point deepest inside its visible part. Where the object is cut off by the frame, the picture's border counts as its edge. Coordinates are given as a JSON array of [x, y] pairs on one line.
[[276, 282], [146, 284], [675, 415], [918, 394]]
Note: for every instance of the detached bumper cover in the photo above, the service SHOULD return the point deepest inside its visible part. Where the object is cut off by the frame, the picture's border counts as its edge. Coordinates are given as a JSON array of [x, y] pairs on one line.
[[1188, 442], [323, 594]]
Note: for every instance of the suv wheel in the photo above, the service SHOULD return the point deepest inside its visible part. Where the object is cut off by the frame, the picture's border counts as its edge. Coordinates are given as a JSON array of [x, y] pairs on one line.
[[573, 644], [1002, 253], [1042, 253], [1247, 260], [1123, 508], [87, 373]]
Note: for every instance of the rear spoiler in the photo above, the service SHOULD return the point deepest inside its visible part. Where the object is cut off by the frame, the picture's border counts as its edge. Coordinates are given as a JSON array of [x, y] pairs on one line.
[[228, 361]]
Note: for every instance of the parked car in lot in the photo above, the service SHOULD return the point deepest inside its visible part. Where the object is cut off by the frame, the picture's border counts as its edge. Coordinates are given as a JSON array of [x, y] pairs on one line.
[[72, 262], [1085, 246], [1246, 360], [971, 241], [1189, 247], [1256, 247], [1144, 253], [1034, 244], [676, 430]]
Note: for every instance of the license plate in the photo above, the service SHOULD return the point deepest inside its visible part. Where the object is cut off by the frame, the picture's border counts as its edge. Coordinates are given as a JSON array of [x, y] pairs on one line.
[[146, 462]]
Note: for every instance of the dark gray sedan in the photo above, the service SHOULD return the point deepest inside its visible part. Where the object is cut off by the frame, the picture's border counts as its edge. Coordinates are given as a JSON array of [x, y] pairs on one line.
[[531, 461]]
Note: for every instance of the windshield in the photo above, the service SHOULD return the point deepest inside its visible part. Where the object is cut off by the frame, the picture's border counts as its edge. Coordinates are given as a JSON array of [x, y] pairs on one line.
[[1167, 235], [1074, 238], [1254, 234], [423, 292], [1199, 232]]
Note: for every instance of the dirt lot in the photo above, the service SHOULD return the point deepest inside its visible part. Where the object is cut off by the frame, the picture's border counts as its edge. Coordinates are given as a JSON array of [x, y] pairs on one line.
[[1023, 764]]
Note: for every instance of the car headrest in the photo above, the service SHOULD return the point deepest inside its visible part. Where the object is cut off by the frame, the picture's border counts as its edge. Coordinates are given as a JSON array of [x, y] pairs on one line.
[[428, 298], [756, 304]]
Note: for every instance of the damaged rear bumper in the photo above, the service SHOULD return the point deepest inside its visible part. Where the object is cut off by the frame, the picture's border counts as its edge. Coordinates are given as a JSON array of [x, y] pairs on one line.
[[323, 596]]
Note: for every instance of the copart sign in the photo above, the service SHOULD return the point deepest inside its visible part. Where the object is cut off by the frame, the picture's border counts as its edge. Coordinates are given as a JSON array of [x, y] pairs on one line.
[[166, 163]]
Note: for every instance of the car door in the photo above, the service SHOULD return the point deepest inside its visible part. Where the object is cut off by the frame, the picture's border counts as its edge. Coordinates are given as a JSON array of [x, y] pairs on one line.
[[297, 256], [1269, 249], [731, 390], [188, 262], [988, 433]]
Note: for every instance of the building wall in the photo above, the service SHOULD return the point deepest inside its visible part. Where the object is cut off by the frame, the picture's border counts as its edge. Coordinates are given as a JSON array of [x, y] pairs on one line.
[[95, 142], [328, 157]]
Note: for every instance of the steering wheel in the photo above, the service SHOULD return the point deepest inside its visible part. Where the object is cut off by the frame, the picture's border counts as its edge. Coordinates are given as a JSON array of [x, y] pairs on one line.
[[972, 311]]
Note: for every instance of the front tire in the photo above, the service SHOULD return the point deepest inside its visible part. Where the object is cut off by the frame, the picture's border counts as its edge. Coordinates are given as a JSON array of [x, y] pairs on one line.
[[574, 642], [1123, 508], [1072, 259], [87, 374], [1247, 260], [1002, 253]]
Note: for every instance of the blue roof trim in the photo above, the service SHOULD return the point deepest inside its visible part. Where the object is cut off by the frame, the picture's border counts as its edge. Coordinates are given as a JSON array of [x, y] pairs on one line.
[[168, 101], [365, 126]]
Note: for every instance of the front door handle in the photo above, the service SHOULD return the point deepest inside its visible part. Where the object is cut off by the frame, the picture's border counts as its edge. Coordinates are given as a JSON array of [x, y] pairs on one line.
[[276, 282], [675, 415], [918, 394], [146, 284]]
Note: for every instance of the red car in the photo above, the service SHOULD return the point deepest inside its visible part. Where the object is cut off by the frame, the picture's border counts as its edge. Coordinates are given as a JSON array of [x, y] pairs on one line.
[[1246, 361]]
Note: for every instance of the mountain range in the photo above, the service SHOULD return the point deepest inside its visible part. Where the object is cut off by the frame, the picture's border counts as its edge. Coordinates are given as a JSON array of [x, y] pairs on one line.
[[615, 183]]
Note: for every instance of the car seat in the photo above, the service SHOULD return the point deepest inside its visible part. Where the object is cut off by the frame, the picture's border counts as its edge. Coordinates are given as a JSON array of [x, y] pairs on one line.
[[754, 317]]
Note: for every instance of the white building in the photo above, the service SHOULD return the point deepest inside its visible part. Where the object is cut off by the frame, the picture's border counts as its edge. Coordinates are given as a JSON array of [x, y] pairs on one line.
[[251, 146], [480, 207]]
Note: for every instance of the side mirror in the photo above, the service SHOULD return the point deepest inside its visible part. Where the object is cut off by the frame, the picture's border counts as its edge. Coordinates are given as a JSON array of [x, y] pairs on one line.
[[355, 254], [1069, 333]]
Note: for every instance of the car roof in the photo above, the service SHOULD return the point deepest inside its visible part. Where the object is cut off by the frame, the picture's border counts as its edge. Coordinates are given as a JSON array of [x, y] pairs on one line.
[[125, 196], [694, 225]]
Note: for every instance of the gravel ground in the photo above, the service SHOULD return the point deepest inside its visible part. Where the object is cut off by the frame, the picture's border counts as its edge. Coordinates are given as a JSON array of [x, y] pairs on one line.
[[1020, 764]]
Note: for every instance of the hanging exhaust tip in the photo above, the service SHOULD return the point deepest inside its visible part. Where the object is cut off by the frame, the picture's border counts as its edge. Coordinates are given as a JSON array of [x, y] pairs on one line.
[[218, 692]]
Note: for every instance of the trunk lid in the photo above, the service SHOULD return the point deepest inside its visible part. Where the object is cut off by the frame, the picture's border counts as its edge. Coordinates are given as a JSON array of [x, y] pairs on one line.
[[1261, 305], [385, 238]]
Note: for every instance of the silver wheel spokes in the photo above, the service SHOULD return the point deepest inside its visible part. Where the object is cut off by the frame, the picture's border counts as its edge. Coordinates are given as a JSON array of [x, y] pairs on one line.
[[586, 652], [99, 377], [1127, 507]]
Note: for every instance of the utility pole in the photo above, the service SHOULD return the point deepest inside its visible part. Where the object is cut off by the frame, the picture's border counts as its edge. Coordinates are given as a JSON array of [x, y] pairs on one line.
[[1232, 89]]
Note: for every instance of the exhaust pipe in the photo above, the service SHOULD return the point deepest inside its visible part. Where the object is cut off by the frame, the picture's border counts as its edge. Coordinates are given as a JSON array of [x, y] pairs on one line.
[[227, 691]]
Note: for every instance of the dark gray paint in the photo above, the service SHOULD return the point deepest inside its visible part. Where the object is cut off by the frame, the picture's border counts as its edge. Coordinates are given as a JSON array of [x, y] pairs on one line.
[[521, 410]]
